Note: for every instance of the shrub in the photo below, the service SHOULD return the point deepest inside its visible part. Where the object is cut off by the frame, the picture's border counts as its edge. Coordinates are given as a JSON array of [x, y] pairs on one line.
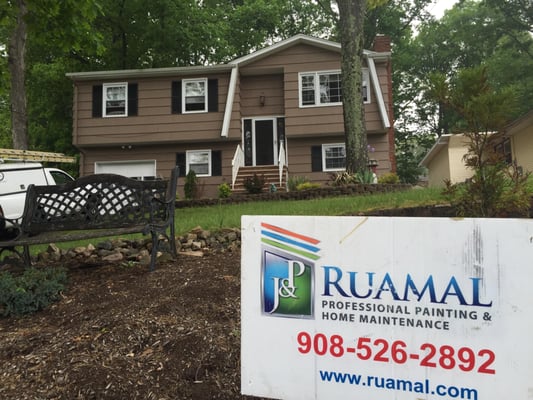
[[191, 185], [366, 176], [389, 178], [343, 178], [294, 181], [34, 290], [254, 184], [494, 191], [224, 191], [307, 186]]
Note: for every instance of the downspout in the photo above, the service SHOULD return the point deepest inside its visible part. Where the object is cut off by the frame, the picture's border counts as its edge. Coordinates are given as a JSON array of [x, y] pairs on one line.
[[229, 102]]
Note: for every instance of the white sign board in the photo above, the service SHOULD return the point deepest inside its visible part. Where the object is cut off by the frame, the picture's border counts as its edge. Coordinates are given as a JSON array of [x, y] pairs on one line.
[[387, 308]]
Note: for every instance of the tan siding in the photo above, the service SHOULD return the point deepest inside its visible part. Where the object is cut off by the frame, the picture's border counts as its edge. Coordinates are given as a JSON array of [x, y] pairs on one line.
[[522, 146], [293, 58], [299, 156], [155, 120], [269, 86], [165, 157], [439, 169]]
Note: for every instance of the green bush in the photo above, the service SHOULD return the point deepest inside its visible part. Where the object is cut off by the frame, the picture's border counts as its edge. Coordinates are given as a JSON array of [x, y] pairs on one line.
[[224, 191], [294, 181], [389, 178], [254, 184], [307, 186], [366, 176], [34, 290], [191, 185]]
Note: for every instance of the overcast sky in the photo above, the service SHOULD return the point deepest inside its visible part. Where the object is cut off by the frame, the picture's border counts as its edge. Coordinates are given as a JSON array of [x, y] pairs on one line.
[[439, 6]]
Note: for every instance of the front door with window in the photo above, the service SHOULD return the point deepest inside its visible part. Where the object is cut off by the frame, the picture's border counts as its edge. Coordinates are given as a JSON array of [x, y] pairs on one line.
[[260, 141]]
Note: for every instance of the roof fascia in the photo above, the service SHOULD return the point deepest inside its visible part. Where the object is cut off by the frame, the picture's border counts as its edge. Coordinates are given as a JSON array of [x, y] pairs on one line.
[[379, 94], [519, 123], [294, 40], [148, 73], [435, 149]]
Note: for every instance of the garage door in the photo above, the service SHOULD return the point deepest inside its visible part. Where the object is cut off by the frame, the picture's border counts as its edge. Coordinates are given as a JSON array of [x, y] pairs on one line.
[[135, 169]]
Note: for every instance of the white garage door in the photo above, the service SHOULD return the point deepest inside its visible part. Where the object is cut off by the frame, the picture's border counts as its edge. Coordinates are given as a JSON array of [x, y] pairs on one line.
[[136, 169]]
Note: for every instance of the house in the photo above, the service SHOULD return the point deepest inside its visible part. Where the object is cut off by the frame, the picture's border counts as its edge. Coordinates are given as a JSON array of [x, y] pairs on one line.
[[514, 143], [444, 161], [276, 112]]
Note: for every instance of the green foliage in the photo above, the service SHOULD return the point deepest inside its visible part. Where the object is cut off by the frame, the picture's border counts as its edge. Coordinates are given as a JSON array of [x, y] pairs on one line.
[[294, 181], [390, 178], [224, 191], [410, 150], [365, 176], [254, 184], [30, 292], [495, 189], [307, 186], [343, 178], [190, 186]]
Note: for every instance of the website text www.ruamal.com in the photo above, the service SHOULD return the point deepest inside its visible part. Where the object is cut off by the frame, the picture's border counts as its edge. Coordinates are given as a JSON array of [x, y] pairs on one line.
[[404, 385]]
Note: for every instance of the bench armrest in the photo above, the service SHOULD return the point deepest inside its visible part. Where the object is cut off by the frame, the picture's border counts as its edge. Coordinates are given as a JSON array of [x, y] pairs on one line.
[[16, 227]]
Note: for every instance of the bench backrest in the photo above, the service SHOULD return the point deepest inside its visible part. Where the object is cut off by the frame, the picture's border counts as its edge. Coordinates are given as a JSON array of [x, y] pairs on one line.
[[101, 201]]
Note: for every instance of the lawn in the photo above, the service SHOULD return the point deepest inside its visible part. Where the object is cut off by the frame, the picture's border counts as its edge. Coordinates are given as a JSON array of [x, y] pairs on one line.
[[229, 215]]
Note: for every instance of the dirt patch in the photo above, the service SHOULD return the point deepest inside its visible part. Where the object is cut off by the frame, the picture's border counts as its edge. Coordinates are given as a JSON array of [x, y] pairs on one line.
[[122, 332]]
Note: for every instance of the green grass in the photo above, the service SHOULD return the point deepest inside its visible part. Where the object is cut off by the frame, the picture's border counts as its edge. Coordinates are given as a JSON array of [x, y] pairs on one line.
[[229, 215]]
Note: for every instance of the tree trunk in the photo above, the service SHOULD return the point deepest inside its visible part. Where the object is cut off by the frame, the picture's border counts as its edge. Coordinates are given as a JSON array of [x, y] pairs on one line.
[[351, 18], [17, 70]]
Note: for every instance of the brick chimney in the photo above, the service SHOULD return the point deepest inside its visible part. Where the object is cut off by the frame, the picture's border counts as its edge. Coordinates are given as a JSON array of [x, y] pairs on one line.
[[381, 43]]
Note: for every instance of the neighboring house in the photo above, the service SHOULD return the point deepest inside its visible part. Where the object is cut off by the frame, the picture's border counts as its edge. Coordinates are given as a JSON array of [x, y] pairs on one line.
[[515, 143], [444, 161], [277, 110]]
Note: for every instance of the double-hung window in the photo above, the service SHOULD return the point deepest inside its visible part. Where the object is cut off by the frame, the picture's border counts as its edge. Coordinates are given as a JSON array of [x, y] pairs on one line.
[[194, 95], [199, 161], [320, 89], [334, 157], [324, 88], [366, 91], [115, 100]]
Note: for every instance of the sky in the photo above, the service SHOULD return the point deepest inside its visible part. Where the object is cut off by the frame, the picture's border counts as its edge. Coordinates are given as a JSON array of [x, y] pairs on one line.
[[439, 6]]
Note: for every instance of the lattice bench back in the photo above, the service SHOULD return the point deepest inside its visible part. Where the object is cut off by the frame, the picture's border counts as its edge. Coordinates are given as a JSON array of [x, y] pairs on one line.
[[102, 201]]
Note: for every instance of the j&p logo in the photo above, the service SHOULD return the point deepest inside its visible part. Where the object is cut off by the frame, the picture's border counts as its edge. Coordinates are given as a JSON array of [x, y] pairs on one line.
[[287, 272]]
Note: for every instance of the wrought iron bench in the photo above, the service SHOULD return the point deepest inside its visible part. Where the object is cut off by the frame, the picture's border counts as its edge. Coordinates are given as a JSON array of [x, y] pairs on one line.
[[96, 206]]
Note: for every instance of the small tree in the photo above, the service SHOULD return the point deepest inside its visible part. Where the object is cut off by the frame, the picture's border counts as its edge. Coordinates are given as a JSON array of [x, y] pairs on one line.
[[190, 187], [496, 189]]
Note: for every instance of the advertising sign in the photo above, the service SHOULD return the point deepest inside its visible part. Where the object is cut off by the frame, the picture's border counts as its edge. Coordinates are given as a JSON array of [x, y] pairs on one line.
[[386, 308]]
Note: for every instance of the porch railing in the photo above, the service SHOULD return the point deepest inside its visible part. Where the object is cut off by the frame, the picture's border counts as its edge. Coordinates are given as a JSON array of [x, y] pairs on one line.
[[236, 163], [282, 162]]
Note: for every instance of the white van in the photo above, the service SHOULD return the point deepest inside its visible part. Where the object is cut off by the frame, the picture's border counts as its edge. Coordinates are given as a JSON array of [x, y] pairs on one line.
[[15, 177]]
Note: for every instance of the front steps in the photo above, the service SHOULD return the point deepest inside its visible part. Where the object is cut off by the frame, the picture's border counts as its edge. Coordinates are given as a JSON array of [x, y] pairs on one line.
[[270, 174]]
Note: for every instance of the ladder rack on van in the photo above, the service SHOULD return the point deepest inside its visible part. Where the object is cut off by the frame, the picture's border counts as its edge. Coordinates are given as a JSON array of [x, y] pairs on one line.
[[27, 155]]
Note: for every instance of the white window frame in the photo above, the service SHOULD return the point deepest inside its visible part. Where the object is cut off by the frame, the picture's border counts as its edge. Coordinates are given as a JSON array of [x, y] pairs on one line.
[[366, 86], [316, 83], [189, 154], [328, 146], [184, 96], [105, 88]]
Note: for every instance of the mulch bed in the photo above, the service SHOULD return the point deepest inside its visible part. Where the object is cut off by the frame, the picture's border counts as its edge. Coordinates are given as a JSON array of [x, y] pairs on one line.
[[122, 332]]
